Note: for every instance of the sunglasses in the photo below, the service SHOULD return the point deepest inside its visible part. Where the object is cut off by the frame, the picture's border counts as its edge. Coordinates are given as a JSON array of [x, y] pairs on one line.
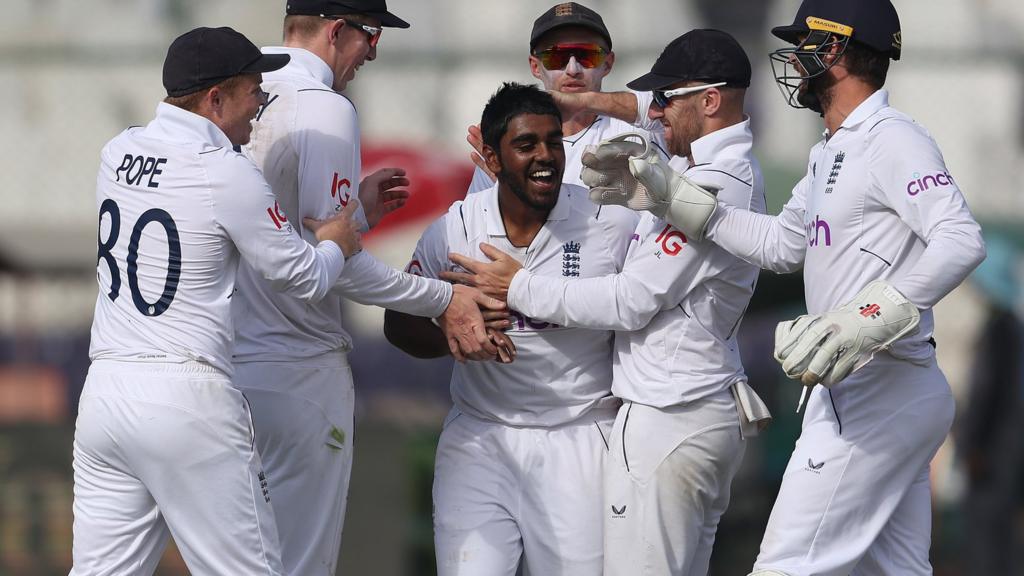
[[661, 97], [373, 32], [557, 57]]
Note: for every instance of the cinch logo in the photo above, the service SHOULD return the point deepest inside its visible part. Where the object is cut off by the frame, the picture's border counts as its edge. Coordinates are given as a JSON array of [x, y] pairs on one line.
[[919, 184], [527, 324], [672, 241], [814, 229]]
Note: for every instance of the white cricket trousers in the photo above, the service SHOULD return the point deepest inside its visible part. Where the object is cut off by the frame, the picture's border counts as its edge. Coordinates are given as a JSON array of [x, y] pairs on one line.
[[502, 492], [302, 412], [667, 485], [855, 498], [166, 449]]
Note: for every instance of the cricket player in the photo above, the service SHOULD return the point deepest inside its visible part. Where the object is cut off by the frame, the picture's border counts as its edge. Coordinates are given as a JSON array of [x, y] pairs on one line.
[[163, 442], [571, 53], [291, 357], [519, 465], [676, 307], [882, 232]]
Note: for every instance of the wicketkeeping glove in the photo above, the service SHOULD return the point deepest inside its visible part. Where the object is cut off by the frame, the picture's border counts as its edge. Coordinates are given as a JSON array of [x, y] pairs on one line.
[[825, 348], [627, 170]]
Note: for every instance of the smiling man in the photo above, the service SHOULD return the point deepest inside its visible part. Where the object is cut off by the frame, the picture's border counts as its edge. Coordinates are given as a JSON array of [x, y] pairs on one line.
[[571, 53], [676, 308], [519, 463], [291, 357]]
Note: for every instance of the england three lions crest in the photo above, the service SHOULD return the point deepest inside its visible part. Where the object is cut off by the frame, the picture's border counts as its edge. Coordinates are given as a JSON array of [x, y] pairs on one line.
[[571, 259]]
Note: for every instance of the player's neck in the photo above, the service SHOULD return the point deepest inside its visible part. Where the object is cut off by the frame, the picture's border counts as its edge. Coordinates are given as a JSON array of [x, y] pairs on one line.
[[522, 222], [845, 99], [578, 123]]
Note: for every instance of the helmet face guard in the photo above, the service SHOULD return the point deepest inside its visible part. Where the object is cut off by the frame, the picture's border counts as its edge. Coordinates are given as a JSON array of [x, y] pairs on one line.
[[810, 54]]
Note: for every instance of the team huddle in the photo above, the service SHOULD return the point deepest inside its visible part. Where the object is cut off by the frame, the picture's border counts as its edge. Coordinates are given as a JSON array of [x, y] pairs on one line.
[[591, 285]]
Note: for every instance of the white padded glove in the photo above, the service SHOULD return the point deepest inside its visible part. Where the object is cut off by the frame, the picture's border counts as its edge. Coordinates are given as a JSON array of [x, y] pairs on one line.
[[627, 170], [825, 348]]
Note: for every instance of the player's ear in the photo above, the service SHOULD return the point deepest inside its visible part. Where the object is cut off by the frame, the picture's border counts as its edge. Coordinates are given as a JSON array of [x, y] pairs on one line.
[[334, 30], [215, 97], [711, 101], [491, 158], [536, 68], [609, 62]]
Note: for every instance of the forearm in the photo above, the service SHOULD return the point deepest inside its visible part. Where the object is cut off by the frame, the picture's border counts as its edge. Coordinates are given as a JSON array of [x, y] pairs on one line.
[[619, 105], [605, 303], [775, 243], [367, 280], [950, 257], [416, 336]]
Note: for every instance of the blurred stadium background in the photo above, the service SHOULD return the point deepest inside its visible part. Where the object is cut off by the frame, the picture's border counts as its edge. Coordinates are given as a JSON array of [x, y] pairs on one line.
[[76, 72]]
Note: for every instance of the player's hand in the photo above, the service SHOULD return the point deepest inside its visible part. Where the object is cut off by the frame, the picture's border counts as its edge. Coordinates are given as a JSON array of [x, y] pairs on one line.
[[627, 170], [463, 324], [476, 140], [569, 104], [342, 229], [825, 348], [606, 170], [497, 319], [492, 278], [506, 349], [381, 193]]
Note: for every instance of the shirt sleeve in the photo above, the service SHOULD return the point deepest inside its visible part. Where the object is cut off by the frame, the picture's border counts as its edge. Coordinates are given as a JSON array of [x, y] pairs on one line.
[[660, 270], [430, 257], [910, 176], [369, 281], [481, 181], [246, 208], [326, 139], [777, 243]]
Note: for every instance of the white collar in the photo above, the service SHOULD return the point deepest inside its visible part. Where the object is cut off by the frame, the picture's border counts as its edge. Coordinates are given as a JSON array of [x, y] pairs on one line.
[[492, 213], [305, 62], [866, 109], [179, 125], [732, 141]]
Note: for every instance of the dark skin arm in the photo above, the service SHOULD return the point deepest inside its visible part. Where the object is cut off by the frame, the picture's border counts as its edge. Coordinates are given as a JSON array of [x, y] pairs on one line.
[[421, 338]]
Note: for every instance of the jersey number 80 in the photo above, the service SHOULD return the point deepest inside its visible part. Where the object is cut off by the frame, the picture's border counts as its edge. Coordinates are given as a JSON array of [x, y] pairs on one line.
[[173, 253]]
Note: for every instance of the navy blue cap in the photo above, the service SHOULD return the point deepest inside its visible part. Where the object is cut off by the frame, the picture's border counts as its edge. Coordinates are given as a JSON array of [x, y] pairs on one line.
[[705, 55], [375, 8], [873, 23], [205, 57], [569, 14]]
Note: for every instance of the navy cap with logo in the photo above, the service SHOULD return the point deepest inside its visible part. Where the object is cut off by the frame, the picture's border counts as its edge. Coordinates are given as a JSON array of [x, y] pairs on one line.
[[374, 8], [568, 14], [699, 55], [205, 57], [873, 23]]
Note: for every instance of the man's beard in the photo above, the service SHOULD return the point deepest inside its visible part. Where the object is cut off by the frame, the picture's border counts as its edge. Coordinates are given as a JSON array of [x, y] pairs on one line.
[[517, 188], [818, 94]]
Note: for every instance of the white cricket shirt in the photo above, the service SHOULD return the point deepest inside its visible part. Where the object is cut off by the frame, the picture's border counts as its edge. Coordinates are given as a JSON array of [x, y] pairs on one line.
[[306, 142], [176, 208], [877, 203], [677, 304], [559, 372], [603, 127]]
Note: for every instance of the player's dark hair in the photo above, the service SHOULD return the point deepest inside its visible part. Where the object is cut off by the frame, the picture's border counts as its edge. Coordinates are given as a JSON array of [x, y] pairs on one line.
[[511, 100], [866, 63]]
